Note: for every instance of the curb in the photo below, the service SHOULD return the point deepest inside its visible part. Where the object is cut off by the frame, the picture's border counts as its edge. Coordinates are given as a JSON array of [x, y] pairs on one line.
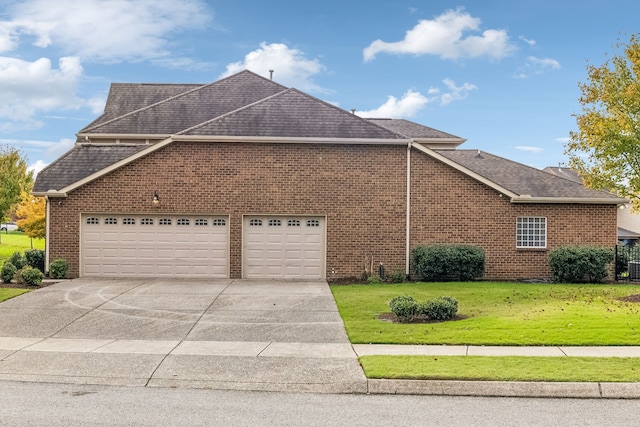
[[505, 389]]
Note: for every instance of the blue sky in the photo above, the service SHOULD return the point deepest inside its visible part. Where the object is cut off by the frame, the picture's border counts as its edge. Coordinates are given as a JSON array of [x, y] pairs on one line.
[[503, 74]]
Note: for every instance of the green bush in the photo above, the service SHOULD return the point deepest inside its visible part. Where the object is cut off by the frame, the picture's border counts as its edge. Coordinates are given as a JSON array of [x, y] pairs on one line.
[[436, 263], [580, 264], [35, 258], [8, 271], [29, 276], [440, 308], [398, 276], [58, 269], [374, 280], [404, 307], [18, 260]]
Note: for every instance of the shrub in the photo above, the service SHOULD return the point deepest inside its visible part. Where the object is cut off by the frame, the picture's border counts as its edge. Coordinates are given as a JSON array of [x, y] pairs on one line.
[[29, 276], [449, 262], [398, 276], [580, 264], [35, 258], [440, 308], [18, 260], [404, 307], [374, 280], [8, 271], [58, 269]]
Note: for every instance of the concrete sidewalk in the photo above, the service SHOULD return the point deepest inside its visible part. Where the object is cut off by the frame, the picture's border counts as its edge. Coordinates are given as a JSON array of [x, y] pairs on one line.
[[229, 334]]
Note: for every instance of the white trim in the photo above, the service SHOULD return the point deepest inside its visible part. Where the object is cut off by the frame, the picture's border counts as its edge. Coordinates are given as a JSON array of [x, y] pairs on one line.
[[408, 213], [580, 200], [47, 222], [545, 231]]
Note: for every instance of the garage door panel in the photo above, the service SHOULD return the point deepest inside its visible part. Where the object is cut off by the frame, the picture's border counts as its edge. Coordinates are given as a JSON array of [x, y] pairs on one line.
[[148, 245], [291, 250]]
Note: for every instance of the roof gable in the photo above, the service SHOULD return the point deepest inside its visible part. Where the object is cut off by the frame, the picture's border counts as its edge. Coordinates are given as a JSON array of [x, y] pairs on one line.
[[293, 114], [186, 109]]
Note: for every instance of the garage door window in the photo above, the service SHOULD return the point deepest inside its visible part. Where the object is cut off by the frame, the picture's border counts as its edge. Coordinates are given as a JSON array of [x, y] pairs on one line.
[[111, 221], [255, 223], [219, 222], [182, 221], [93, 221], [146, 221], [293, 223], [164, 221], [128, 221], [201, 222], [313, 223]]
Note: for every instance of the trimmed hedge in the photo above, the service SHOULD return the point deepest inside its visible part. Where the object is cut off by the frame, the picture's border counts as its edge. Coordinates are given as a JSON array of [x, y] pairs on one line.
[[29, 276], [441, 263], [58, 269], [580, 264], [407, 309], [8, 271], [35, 258]]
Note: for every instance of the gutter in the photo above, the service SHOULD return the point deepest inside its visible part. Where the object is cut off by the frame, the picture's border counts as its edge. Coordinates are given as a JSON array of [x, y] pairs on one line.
[[569, 200], [408, 213]]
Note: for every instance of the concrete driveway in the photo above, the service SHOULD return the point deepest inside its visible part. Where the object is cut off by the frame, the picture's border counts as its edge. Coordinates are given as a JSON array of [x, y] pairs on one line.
[[225, 334]]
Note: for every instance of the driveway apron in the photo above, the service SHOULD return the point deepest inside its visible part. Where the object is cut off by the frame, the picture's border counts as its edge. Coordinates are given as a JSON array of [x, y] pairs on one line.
[[223, 334]]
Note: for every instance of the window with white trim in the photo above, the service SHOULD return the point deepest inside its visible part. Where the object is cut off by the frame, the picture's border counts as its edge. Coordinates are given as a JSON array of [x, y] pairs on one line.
[[182, 221], [275, 223], [111, 221], [129, 221], [201, 222], [146, 221], [255, 223], [93, 221], [313, 223], [531, 232], [293, 223], [219, 222], [164, 221]]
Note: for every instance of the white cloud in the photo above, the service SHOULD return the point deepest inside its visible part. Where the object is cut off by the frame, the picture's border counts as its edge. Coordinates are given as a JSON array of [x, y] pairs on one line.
[[530, 42], [407, 106], [412, 102], [564, 139], [102, 30], [447, 36], [290, 66], [50, 149], [37, 167], [529, 149], [535, 66], [31, 87]]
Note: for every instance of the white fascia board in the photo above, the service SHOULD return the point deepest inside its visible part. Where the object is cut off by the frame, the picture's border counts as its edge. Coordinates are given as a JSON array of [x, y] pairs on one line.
[[288, 140], [569, 200], [466, 171]]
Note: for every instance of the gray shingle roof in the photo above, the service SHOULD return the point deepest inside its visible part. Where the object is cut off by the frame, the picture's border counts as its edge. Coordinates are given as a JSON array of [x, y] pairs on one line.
[[187, 109], [411, 129], [566, 173], [521, 179], [292, 113], [80, 162]]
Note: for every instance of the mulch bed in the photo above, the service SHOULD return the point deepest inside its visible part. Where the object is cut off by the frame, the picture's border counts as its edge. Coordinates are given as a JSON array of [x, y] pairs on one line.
[[392, 318], [14, 285]]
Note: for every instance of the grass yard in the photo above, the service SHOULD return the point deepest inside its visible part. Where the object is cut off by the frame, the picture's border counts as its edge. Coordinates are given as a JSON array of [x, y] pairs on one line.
[[497, 314], [16, 241], [479, 368], [7, 293]]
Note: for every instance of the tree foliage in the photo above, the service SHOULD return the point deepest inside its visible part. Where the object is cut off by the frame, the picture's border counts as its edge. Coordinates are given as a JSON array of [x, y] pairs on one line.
[[31, 215], [14, 178], [606, 148]]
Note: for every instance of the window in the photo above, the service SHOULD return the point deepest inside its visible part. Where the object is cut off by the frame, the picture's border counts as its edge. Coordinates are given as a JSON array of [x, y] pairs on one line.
[[111, 221], [146, 221], [531, 232], [275, 223], [219, 222], [293, 223], [128, 221], [92, 221], [164, 221], [255, 223], [313, 223], [201, 222], [182, 221]]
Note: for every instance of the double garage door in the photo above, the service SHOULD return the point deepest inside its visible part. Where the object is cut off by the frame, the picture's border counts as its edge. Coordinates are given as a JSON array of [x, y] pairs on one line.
[[198, 246]]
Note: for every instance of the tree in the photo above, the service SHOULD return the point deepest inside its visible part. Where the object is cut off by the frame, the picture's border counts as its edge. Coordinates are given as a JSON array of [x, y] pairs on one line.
[[31, 216], [606, 148], [14, 179]]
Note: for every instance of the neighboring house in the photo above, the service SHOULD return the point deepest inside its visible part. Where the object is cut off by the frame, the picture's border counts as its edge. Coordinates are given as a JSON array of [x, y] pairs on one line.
[[247, 178], [628, 221]]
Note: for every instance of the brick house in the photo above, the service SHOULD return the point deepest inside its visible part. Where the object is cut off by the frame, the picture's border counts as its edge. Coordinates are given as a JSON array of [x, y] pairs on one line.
[[246, 178]]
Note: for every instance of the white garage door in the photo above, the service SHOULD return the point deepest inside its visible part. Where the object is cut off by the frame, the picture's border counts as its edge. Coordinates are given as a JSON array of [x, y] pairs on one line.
[[155, 246], [283, 247]]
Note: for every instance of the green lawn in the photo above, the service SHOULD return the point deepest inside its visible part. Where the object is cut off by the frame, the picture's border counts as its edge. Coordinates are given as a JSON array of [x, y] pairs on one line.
[[15, 241], [6, 293], [479, 368], [497, 314]]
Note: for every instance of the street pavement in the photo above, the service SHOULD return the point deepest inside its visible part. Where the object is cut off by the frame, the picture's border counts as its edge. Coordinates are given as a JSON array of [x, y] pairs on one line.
[[232, 335]]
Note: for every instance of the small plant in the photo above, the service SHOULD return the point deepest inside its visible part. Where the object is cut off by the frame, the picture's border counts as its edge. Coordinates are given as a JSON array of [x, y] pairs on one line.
[[398, 276], [404, 307], [18, 260], [8, 271], [29, 276], [58, 269], [440, 308], [374, 280], [35, 258]]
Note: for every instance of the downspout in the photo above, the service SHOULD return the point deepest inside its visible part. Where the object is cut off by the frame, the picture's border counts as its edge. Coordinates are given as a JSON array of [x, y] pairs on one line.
[[408, 219], [46, 233]]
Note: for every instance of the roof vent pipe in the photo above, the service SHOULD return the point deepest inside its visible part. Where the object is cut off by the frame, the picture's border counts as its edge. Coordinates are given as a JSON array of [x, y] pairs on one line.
[[353, 111], [270, 74]]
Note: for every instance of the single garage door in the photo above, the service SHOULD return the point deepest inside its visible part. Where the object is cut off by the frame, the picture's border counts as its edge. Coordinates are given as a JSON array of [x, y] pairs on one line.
[[154, 246], [283, 247]]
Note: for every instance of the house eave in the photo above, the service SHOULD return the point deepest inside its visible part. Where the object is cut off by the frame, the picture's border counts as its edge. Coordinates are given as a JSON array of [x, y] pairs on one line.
[[569, 200]]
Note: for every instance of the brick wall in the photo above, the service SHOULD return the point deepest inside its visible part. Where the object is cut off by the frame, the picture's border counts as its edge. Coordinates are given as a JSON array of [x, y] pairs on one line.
[[450, 207], [359, 188]]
